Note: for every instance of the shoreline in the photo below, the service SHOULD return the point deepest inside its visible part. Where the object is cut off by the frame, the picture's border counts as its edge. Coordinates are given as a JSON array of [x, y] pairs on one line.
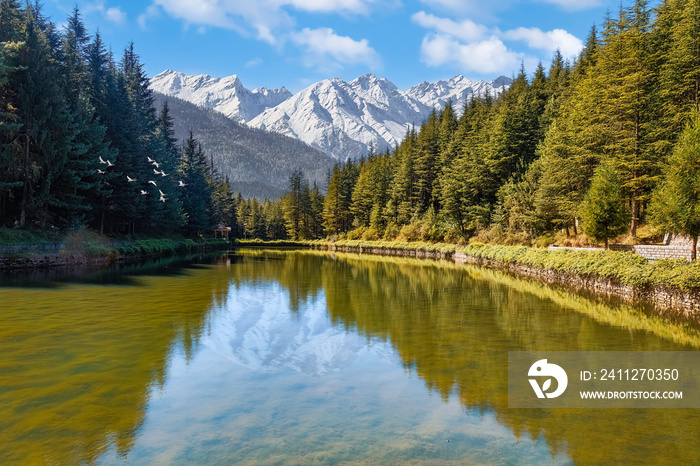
[[668, 300], [79, 255]]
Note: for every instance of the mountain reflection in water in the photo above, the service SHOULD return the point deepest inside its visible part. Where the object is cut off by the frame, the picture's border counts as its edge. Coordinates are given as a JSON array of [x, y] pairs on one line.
[[295, 357]]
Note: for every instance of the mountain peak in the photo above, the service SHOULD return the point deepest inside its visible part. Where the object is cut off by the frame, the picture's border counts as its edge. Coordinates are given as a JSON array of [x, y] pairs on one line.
[[341, 118], [227, 95]]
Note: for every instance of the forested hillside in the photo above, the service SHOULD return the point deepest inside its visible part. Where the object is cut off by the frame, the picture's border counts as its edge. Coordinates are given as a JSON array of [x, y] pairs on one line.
[[257, 163], [589, 144], [605, 145], [82, 143]]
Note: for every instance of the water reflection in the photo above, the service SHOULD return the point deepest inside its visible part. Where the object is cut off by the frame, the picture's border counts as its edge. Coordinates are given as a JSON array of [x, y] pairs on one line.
[[79, 362], [299, 357]]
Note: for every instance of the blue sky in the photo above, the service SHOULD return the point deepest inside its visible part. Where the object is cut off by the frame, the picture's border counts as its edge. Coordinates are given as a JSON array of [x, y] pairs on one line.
[[298, 42]]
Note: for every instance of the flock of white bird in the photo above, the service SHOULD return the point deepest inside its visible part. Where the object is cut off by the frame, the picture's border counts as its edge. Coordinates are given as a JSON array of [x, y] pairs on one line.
[[155, 171]]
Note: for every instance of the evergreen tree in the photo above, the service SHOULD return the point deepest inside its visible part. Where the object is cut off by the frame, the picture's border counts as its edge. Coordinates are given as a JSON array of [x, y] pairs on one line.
[[676, 202], [602, 212], [196, 195], [625, 117]]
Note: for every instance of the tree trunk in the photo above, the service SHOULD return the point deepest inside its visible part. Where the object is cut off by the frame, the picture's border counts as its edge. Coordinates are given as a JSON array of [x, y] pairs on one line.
[[606, 243], [635, 216], [25, 190], [575, 228], [102, 218], [694, 251]]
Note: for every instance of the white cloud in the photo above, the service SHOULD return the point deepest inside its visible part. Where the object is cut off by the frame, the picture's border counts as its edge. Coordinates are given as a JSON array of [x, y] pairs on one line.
[[329, 6], [487, 56], [113, 14], [474, 47], [466, 30], [458, 6], [575, 5], [327, 50], [151, 12], [568, 44], [267, 20], [116, 15], [254, 62], [200, 12]]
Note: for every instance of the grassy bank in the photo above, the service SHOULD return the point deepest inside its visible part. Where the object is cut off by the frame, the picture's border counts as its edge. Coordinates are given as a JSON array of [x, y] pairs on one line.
[[14, 243], [624, 267]]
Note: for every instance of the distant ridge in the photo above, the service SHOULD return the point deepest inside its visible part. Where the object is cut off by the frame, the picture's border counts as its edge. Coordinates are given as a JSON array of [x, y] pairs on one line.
[[342, 119], [257, 163]]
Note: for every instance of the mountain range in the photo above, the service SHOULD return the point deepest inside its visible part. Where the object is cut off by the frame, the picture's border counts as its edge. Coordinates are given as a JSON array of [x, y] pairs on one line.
[[257, 163], [342, 119]]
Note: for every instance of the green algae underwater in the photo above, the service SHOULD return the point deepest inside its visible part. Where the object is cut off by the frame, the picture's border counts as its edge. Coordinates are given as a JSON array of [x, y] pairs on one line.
[[298, 357]]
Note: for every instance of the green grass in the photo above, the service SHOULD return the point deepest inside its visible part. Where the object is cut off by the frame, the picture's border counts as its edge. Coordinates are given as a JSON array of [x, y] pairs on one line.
[[94, 245], [19, 236], [624, 267], [444, 248]]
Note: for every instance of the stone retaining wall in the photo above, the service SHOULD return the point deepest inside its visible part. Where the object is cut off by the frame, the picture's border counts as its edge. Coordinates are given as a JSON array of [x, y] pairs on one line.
[[384, 251], [655, 252], [671, 302], [70, 258]]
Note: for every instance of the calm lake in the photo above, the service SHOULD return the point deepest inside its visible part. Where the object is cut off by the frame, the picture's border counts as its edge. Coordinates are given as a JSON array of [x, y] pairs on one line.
[[300, 357]]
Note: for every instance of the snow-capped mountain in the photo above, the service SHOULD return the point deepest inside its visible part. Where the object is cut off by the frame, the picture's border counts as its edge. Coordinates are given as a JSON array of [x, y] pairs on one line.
[[342, 119], [457, 90], [225, 95]]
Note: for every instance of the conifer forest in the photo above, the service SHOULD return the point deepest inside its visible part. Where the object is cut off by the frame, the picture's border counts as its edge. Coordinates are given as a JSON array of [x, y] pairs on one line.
[[608, 144]]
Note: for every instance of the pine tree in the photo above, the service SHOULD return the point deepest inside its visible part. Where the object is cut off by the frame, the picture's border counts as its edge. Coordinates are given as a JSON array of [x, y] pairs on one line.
[[196, 195], [676, 202], [625, 117], [602, 212]]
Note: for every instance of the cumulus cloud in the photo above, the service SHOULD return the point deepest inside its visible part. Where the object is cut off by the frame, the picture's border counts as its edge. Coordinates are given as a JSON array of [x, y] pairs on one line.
[[264, 19], [325, 49], [568, 44], [116, 15], [474, 47], [113, 14], [487, 56], [329, 6], [574, 5], [466, 30], [151, 12], [254, 62]]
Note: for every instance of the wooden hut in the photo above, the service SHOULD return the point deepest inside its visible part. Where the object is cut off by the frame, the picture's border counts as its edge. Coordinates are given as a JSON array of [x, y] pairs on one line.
[[222, 231]]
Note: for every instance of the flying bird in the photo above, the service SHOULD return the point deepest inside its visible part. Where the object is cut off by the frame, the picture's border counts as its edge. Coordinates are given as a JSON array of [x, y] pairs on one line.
[[130, 179], [100, 171], [109, 164], [162, 199], [156, 171], [143, 192], [156, 164], [182, 184], [161, 193], [162, 173], [150, 159], [152, 182], [102, 160]]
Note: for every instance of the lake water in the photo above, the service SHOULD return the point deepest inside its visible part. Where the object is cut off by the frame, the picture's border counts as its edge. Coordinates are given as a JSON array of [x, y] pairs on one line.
[[299, 357]]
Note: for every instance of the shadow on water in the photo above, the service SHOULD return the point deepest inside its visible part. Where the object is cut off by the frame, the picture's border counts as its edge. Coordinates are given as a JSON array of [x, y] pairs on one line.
[[80, 362], [116, 273]]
